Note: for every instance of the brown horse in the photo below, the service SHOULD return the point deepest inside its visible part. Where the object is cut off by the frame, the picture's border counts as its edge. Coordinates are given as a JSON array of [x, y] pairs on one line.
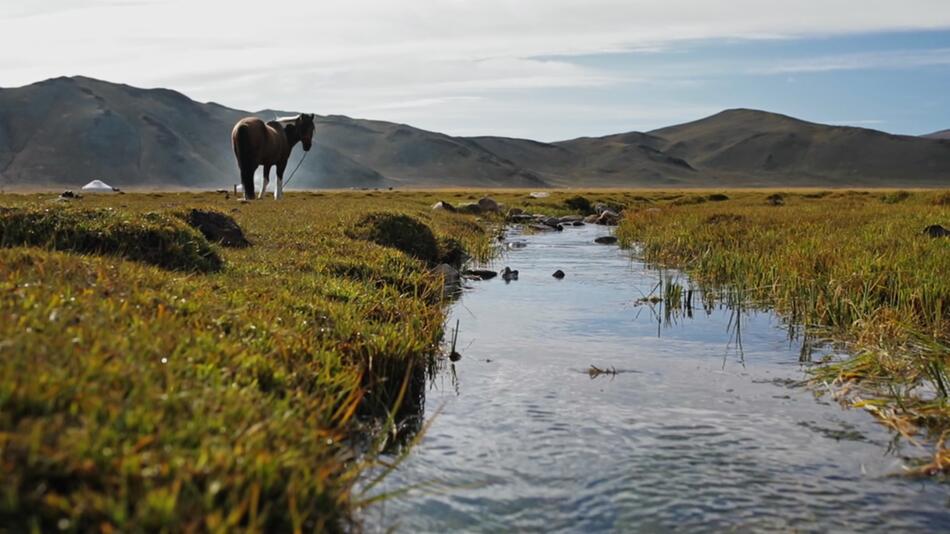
[[256, 143]]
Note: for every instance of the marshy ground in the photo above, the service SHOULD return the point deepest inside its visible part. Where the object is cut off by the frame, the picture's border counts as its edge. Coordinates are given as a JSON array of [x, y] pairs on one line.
[[152, 378]]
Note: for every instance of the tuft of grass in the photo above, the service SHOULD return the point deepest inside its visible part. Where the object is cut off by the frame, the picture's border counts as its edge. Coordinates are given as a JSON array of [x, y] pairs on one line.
[[942, 199], [149, 237], [451, 251], [725, 218], [399, 231], [860, 272], [689, 200], [579, 204], [895, 197]]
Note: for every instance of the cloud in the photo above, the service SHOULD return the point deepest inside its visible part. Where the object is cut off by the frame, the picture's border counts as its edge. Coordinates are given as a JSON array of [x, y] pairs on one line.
[[892, 59], [363, 55]]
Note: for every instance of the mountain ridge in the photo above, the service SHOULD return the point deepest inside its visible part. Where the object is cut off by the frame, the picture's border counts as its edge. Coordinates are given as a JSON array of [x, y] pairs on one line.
[[66, 131], [942, 134]]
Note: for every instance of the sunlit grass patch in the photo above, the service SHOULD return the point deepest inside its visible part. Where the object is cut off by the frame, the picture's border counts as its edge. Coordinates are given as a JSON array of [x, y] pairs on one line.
[[398, 231], [149, 237], [138, 397]]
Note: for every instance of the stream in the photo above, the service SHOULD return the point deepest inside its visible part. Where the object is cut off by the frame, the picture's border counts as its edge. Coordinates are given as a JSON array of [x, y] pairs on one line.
[[687, 429]]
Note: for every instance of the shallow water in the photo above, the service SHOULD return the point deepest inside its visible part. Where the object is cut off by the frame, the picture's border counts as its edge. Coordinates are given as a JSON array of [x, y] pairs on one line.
[[692, 434]]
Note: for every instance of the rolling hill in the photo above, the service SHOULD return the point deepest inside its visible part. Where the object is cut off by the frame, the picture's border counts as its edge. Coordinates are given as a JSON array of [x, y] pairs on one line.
[[942, 134], [67, 131], [752, 147], [616, 161]]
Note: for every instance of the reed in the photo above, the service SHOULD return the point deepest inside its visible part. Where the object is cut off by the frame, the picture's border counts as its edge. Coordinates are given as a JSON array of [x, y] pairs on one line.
[[848, 264]]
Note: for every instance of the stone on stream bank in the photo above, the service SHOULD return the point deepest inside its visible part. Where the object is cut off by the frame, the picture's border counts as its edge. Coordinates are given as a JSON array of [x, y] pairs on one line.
[[451, 280], [537, 221], [606, 218], [606, 240], [480, 274], [489, 204], [545, 228], [520, 218], [444, 206], [484, 205]]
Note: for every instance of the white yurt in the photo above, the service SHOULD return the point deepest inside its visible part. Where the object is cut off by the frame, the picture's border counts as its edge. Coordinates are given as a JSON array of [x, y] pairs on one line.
[[97, 186]]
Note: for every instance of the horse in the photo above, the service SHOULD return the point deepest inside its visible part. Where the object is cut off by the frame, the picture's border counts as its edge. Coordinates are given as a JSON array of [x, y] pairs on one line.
[[258, 143]]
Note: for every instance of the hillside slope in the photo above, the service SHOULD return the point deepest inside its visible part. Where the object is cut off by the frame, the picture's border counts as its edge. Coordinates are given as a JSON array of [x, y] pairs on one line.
[[70, 130], [67, 131], [624, 160], [942, 134], [761, 148]]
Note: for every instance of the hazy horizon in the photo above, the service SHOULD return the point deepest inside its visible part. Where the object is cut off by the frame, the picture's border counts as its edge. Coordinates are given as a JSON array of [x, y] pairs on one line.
[[541, 70]]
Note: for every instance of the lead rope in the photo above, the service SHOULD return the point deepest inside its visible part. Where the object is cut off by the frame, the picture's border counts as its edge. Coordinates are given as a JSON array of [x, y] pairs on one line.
[[286, 183]]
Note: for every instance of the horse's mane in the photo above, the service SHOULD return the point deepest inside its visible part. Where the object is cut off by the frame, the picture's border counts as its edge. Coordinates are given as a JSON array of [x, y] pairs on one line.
[[284, 120]]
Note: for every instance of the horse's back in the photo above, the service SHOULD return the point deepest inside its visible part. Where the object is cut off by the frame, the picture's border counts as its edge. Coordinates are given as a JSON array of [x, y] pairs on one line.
[[252, 125], [258, 142]]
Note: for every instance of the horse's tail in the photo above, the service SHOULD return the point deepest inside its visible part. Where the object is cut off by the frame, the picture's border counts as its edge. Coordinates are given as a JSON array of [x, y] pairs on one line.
[[244, 153], [242, 146]]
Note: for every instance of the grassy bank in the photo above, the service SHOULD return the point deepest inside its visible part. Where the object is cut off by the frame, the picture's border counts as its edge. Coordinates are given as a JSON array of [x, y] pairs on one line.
[[852, 266], [204, 387], [212, 388]]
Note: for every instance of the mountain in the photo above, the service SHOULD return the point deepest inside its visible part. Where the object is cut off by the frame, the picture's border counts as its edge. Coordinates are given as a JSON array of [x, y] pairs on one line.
[[942, 134], [749, 147], [67, 131], [411, 156], [629, 160]]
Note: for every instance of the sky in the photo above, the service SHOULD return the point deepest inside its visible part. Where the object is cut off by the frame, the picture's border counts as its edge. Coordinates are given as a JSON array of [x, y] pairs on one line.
[[540, 69]]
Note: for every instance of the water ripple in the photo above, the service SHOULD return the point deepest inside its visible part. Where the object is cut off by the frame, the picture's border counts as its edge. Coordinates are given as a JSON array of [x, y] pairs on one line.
[[701, 438]]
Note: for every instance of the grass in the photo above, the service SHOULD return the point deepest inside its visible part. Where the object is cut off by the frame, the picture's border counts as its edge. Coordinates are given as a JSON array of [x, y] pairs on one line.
[[151, 392], [142, 390], [402, 232], [850, 264], [156, 238]]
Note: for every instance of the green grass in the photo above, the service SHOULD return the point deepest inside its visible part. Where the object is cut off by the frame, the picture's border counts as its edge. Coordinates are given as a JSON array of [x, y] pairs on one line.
[[156, 238], [151, 392], [145, 392], [851, 264], [400, 231]]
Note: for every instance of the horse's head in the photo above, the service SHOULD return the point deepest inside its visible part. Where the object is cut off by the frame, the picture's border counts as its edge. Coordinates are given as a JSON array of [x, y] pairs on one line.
[[304, 124]]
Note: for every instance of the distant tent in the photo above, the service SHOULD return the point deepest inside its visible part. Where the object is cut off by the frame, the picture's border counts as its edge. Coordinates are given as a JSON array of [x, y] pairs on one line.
[[98, 186]]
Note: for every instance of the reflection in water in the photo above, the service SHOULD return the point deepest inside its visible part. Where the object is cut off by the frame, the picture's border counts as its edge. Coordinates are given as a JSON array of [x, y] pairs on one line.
[[707, 428]]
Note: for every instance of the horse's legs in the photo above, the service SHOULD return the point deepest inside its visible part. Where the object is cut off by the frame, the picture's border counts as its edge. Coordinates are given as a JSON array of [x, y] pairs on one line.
[[266, 180], [247, 181], [279, 189]]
